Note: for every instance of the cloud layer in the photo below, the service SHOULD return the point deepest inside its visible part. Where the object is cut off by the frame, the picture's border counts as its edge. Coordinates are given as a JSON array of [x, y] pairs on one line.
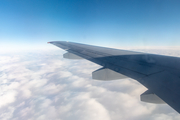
[[42, 85]]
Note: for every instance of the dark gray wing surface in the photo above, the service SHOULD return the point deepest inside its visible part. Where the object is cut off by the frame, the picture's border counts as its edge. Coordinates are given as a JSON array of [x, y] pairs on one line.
[[160, 74]]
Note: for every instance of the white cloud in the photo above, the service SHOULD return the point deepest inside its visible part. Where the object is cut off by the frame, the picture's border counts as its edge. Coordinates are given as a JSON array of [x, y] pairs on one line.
[[43, 86], [7, 114], [7, 97]]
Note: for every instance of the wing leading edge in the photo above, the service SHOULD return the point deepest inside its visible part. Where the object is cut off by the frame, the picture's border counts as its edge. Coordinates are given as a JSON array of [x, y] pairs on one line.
[[160, 74]]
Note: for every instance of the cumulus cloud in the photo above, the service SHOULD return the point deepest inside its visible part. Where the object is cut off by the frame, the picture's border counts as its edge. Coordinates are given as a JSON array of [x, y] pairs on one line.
[[41, 85]]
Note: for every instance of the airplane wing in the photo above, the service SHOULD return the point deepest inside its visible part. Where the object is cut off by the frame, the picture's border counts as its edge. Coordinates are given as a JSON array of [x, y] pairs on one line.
[[160, 74]]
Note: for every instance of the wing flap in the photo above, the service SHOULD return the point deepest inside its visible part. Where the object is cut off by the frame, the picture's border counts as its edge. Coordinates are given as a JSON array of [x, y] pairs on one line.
[[166, 86], [69, 55], [150, 97], [107, 74]]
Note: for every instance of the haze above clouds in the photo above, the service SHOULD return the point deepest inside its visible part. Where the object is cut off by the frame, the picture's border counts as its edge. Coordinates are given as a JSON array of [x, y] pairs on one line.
[[44, 86]]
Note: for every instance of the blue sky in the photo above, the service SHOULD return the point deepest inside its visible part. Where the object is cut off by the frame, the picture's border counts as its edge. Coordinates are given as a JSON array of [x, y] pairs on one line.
[[119, 23]]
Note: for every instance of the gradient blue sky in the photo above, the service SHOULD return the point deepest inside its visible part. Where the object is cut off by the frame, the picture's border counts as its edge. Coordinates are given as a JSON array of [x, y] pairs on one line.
[[32, 23]]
